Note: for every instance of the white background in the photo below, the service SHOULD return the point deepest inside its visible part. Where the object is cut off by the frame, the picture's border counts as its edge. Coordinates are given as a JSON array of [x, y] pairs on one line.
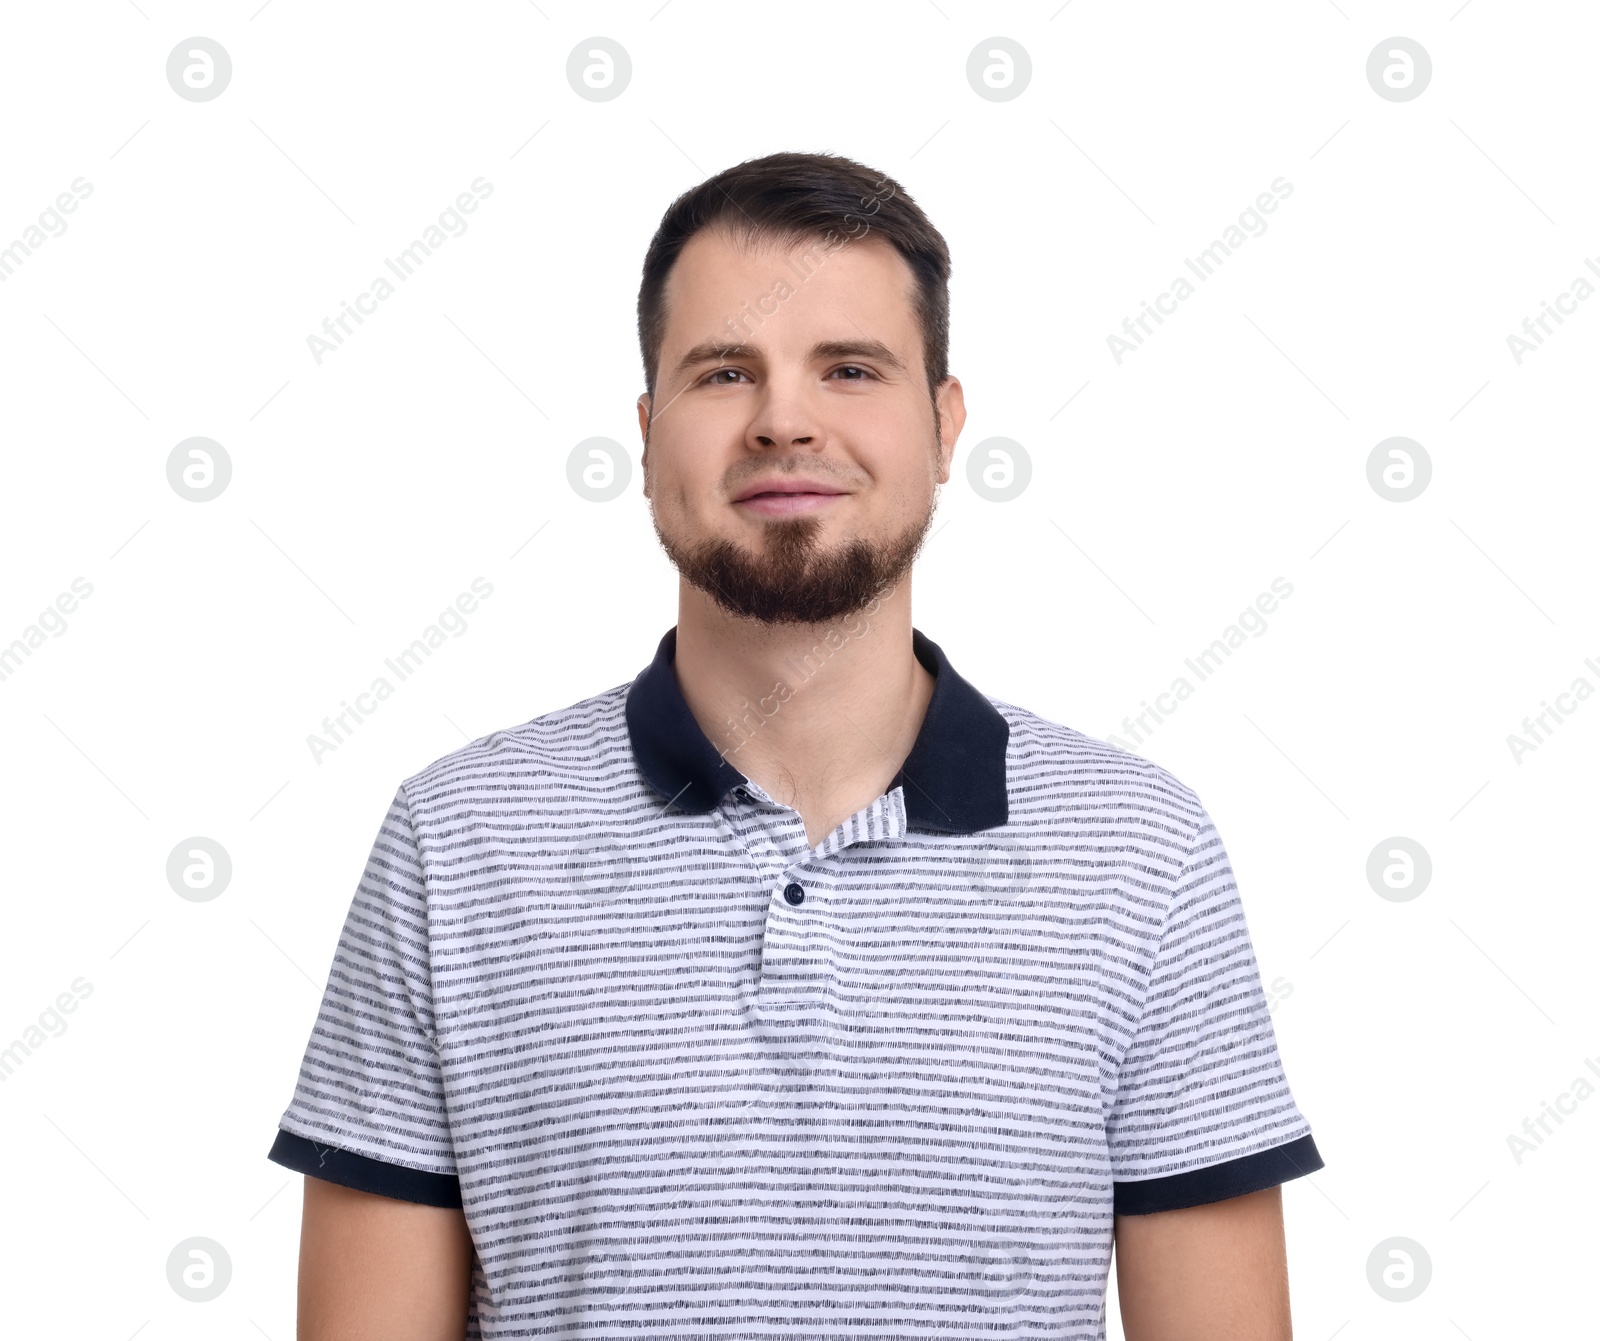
[[369, 491]]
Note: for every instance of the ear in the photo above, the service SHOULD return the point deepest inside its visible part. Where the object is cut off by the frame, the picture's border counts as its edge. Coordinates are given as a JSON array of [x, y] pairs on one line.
[[951, 405], [643, 407]]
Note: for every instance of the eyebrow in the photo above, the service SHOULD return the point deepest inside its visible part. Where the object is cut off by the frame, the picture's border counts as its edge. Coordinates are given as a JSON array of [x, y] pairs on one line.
[[716, 351]]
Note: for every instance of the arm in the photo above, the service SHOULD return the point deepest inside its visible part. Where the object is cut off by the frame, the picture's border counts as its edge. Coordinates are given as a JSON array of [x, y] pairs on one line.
[[376, 1269], [1215, 1272]]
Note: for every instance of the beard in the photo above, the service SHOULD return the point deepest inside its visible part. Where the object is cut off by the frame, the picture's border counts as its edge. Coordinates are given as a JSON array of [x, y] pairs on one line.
[[794, 580]]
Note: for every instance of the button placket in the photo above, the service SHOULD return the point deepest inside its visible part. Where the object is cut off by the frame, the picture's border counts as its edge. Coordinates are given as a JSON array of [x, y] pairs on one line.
[[767, 834], [797, 942], [794, 954]]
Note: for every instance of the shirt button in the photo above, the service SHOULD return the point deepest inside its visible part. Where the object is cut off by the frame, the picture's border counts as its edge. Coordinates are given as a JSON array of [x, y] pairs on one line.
[[741, 794], [794, 893]]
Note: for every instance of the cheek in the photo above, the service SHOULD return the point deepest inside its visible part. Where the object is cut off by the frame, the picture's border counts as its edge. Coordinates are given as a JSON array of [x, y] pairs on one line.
[[905, 476], [897, 440], [669, 490], [687, 467], [911, 498]]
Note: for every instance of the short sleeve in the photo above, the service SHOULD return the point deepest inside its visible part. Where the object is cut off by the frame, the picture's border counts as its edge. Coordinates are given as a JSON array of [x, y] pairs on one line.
[[1202, 1109], [369, 1105]]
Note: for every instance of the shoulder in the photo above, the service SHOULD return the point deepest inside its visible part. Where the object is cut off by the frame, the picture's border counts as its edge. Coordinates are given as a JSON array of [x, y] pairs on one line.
[[1056, 770], [583, 743]]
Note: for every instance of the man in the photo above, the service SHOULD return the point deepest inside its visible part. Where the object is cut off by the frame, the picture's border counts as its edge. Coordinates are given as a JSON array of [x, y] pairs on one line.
[[796, 987]]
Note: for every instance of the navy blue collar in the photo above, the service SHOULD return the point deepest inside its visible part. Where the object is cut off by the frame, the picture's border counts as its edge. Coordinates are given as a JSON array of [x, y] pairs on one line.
[[954, 777]]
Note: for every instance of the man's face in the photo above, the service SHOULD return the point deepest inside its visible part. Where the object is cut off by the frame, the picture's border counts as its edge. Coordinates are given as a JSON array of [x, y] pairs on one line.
[[792, 452]]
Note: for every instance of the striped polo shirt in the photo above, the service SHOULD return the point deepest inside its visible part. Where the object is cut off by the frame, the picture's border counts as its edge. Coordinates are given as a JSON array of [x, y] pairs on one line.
[[687, 1075]]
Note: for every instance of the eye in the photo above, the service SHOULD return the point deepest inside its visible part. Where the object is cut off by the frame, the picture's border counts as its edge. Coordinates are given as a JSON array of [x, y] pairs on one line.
[[866, 373], [707, 379]]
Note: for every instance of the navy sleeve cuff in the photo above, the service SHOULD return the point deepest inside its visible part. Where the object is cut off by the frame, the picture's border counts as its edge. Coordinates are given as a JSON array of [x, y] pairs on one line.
[[1234, 1178], [333, 1165]]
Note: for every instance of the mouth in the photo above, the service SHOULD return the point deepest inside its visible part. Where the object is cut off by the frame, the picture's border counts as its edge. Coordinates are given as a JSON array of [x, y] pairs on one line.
[[787, 497]]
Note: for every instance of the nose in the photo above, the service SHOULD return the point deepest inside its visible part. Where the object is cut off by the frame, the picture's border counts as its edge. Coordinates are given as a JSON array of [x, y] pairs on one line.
[[765, 441], [784, 417]]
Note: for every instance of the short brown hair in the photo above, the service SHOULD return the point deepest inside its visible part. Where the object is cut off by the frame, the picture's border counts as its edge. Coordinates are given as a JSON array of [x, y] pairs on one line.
[[797, 196]]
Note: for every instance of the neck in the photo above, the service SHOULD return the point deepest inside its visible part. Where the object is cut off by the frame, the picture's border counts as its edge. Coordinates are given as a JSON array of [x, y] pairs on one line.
[[820, 716]]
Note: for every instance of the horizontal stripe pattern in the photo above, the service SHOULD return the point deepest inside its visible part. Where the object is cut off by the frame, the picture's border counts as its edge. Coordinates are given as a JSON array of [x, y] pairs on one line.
[[677, 1104]]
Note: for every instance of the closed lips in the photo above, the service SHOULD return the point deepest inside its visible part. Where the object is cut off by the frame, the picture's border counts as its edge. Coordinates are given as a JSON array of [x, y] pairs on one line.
[[787, 487]]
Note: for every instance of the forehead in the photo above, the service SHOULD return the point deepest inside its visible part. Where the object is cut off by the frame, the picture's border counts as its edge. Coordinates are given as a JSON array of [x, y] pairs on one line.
[[774, 291]]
